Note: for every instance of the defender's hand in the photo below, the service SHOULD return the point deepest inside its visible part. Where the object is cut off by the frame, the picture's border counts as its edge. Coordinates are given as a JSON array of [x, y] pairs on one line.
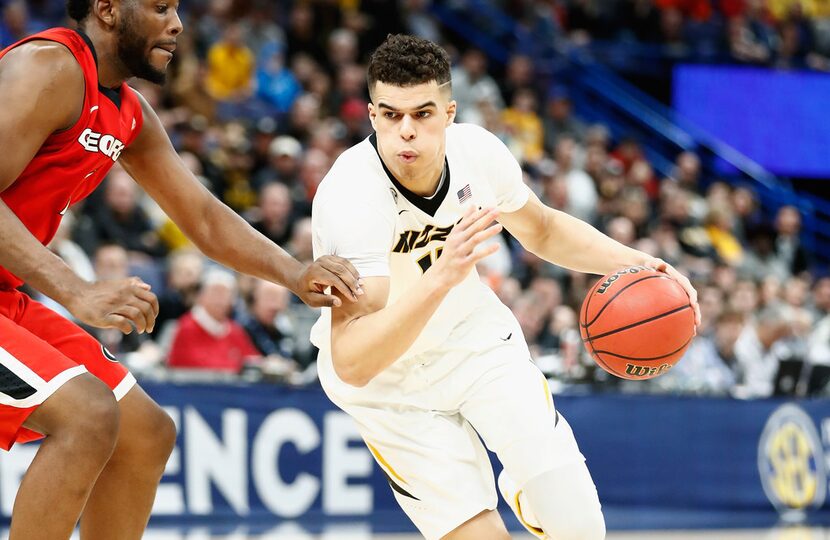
[[328, 271], [459, 255], [123, 304], [662, 266]]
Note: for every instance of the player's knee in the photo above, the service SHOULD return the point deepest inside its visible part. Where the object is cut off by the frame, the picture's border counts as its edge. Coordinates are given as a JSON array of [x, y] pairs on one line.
[[164, 435], [95, 426], [148, 440]]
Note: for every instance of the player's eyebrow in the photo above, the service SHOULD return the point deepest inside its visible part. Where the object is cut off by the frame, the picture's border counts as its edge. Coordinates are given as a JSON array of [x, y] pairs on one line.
[[382, 105]]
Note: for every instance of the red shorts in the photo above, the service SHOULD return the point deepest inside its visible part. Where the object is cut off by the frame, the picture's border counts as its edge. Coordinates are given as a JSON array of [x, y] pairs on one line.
[[39, 351]]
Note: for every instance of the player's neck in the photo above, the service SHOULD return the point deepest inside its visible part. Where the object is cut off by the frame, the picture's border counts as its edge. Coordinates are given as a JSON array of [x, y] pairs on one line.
[[424, 184], [111, 71]]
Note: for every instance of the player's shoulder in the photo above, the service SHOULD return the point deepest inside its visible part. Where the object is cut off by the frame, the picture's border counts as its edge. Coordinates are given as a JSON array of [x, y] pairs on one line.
[[42, 65], [474, 144], [469, 134], [355, 175]]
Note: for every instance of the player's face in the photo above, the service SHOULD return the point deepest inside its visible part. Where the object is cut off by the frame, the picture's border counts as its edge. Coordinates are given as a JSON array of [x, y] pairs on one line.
[[147, 34], [410, 122]]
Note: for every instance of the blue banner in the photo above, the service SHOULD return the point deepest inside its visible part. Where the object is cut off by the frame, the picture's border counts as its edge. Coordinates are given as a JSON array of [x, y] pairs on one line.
[[262, 453]]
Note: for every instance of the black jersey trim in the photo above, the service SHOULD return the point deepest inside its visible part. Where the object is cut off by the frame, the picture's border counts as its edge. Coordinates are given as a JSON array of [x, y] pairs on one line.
[[111, 94], [426, 205]]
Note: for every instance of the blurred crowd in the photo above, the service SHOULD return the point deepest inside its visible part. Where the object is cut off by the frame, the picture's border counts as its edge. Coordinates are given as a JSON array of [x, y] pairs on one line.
[[263, 96], [779, 33]]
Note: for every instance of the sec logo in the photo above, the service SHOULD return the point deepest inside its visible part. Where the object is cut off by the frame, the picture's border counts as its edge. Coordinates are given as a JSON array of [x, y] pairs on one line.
[[790, 461]]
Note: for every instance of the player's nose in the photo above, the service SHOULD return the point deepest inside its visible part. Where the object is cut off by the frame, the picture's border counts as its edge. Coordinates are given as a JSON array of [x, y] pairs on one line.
[[175, 28], [407, 129]]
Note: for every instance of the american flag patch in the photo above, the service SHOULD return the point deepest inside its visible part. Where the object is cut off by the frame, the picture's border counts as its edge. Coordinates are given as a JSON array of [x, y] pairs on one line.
[[464, 193]]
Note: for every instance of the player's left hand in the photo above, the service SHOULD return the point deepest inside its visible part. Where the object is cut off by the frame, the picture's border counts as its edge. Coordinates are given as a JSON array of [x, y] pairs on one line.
[[662, 266], [328, 271]]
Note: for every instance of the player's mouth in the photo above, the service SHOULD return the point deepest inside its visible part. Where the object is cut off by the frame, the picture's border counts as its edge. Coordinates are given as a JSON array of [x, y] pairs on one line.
[[166, 48], [408, 157]]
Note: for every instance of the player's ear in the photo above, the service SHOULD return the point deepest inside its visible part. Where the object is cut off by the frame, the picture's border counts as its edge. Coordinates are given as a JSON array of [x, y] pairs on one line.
[[373, 114], [105, 10], [451, 108]]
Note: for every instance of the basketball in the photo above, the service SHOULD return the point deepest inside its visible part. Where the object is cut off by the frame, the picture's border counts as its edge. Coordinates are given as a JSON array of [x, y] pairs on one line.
[[636, 323]]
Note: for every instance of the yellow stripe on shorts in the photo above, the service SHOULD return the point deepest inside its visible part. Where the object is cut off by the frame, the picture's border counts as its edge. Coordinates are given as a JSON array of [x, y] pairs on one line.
[[383, 462]]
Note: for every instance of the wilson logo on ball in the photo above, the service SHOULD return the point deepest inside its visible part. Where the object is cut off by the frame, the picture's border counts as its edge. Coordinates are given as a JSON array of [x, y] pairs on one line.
[[643, 371], [617, 275]]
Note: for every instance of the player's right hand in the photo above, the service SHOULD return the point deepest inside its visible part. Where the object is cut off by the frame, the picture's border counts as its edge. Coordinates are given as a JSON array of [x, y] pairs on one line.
[[122, 303], [460, 255]]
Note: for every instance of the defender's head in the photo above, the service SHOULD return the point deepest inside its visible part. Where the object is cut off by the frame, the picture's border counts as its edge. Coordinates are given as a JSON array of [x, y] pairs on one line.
[[144, 31], [411, 104]]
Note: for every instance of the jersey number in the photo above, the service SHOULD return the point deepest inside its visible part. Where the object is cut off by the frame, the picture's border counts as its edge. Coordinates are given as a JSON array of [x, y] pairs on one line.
[[427, 259]]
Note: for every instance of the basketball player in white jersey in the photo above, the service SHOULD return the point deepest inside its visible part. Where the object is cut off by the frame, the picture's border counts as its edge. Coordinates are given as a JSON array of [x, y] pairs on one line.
[[428, 359]]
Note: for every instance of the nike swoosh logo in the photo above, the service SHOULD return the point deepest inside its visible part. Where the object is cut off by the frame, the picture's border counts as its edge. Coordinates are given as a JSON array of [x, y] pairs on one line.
[[510, 335], [65, 208], [93, 109], [402, 211]]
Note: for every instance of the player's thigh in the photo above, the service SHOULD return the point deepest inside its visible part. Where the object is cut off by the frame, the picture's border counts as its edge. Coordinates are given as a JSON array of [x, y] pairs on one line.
[[75, 343], [438, 469], [512, 409], [31, 371]]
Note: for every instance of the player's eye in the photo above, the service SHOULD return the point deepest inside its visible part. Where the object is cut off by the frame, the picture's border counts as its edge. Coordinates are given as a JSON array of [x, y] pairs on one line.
[[161, 8], [390, 115], [424, 114]]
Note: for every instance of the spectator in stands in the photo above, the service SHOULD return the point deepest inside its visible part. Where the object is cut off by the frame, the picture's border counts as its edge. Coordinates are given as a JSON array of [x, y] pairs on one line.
[[419, 22], [757, 363], [747, 212], [71, 253], [761, 259], [305, 114], [343, 50], [284, 155], [230, 67], [17, 23], [269, 327], [301, 36], [519, 74], [788, 245], [582, 194], [472, 85], [120, 220], [206, 336], [750, 39], [274, 216], [523, 123], [184, 273], [676, 212], [111, 263], [718, 224], [275, 84], [559, 119], [821, 297], [187, 79]]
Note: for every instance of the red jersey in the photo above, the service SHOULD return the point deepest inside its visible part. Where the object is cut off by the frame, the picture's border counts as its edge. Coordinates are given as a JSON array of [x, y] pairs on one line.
[[72, 162]]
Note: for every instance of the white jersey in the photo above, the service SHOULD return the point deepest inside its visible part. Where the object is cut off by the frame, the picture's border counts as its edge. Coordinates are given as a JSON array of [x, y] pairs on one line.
[[363, 214]]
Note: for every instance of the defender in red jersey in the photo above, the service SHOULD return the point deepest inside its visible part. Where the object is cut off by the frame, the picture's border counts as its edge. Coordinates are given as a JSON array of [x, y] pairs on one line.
[[67, 118]]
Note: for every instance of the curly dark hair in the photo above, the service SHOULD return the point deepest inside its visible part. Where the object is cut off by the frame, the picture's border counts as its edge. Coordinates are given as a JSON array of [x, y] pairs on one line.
[[78, 9], [404, 60]]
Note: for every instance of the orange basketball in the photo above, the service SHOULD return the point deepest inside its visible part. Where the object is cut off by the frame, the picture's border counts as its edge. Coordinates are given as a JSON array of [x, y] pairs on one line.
[[636, 322]]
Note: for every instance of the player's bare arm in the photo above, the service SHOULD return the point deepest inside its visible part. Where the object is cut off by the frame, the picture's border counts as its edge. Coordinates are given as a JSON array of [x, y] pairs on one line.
[[369, 335], [566, 241], [43, 87], [218, 231]]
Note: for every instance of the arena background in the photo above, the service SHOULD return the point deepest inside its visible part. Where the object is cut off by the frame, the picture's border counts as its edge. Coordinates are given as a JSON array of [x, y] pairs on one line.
[[692, 129]]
